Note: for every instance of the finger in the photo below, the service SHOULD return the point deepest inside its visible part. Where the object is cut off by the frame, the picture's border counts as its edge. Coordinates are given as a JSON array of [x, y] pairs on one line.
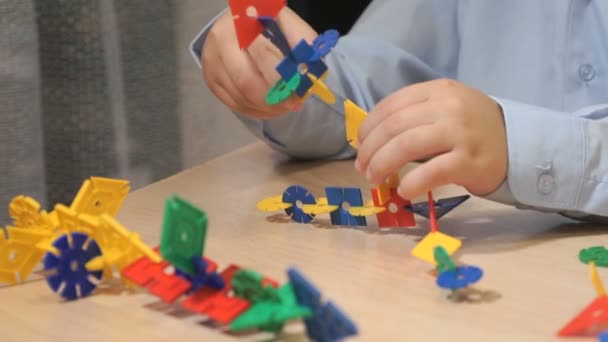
[[441, 170], [295, 28], [416, 143], [399, 100], [423, 113]]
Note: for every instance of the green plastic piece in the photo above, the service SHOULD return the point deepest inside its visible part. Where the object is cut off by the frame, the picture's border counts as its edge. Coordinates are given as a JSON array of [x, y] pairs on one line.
[[597, 254], [282, 90], [443, 259], [183, 235], [272, 315], [248, 284]]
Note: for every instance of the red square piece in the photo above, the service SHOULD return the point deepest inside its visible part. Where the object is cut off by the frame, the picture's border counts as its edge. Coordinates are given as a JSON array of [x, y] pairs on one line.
[[143, 271], [590, 322], [395, 214], [245, 14]]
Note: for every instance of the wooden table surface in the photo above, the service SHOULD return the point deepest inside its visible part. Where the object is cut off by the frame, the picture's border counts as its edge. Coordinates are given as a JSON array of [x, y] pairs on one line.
[[533, 282]]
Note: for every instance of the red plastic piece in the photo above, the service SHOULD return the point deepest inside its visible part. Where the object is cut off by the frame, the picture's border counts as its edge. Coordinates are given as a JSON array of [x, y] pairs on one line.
[[433, 214], [218, 305], [400, 218], [248, 28], [590, 322]]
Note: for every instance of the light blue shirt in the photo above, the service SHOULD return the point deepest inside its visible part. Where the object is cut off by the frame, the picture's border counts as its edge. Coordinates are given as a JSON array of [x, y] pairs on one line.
[[544, 61]]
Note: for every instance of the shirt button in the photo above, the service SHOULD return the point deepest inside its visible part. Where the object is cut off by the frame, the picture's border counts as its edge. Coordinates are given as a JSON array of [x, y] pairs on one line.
[[586, 72], [546, 183]]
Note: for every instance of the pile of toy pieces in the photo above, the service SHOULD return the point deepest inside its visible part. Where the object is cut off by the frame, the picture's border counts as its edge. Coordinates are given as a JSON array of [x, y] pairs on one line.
[[302, 72], [83, 244], [593, 320]]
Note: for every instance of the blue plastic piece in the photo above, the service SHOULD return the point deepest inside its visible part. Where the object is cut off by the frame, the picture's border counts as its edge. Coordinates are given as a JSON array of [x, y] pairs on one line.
[[324, 43], [442, 206], [327, 323], [603, 337], [340, 196], [68, 271], [301, 55], [459, 278], [294, 195], [274, 34], [202, 278]]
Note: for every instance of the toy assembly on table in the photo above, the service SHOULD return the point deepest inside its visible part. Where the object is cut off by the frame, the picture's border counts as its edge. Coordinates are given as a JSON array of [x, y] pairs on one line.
[[81, 245]]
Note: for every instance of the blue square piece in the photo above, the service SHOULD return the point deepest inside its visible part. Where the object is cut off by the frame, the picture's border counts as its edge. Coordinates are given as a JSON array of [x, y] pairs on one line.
[[340, 197], [302, 54]]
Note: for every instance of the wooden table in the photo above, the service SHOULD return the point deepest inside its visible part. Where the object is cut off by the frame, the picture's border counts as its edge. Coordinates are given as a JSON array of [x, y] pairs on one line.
[[533, 281]]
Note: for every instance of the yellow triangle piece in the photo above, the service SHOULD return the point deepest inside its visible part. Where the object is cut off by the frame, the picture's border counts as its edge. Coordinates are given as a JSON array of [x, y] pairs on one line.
[[320, 89], [426, 248], [321, 207], [99, 196], [596, 281], [354, 117], [271, 204]]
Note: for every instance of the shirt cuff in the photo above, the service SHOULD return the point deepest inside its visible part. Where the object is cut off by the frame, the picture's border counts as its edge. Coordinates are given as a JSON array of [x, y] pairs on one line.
[[196, 47], [545, 156]]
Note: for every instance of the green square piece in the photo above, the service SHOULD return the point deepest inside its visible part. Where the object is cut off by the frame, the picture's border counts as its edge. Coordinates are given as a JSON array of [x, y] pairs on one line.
[[183, 235]]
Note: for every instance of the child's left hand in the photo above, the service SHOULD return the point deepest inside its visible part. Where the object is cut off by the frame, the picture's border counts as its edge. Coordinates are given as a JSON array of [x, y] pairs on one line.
[[461, 129]]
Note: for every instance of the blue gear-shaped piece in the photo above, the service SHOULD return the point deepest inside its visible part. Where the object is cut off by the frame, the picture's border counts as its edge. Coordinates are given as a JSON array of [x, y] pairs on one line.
[[459, 278], [324, 43], [292, 195], [69, 275]]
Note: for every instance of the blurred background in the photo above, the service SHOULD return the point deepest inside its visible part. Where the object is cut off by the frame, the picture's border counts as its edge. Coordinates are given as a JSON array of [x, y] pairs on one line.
[[108, 88]]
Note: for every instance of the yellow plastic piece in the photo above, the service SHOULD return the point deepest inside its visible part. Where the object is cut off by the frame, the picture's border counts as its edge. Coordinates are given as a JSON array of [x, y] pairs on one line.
[[321, 207], [99, 196], [70, 221], [354, 117], [425, 249], [596, 281], [271, 204], [320, 89], [367, 209], [384, 189], [25, 212], [18, 253]]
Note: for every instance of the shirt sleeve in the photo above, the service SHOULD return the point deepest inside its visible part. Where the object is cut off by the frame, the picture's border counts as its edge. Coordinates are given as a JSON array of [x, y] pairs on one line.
[[557, 160], [370, 62]]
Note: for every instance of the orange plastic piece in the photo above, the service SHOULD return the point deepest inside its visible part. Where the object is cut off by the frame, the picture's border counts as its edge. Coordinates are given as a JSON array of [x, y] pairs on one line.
[[433, 213], [385, 189], [18, 254], [99, 196], [590, 322], [353, 117], [596, 281]]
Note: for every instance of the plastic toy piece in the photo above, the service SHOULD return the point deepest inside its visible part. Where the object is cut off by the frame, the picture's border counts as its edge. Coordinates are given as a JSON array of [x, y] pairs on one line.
[[328, 322], [353, 117], [67, 273], [183, 235], [603, 337], [25, 212], [246, 13], [385, 190], [100, 196], [324, 43], [320, 89], [271, 313], [344, 198], [590, 322], [297, 196], [395, 215], [321, 207], [274, 34], [218, 305], [432, 214], [154, 277], [443, 206], [282, 90], [425, 249], [459, 278], [597, 255], [298, 61], [596, 281], [272, 204], [367, 209], [206, 275], [18, 254], [443, 259]]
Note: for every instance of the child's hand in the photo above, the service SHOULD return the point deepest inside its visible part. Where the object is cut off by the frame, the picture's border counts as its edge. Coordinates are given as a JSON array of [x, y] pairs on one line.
[[461, 129], [241, 79]]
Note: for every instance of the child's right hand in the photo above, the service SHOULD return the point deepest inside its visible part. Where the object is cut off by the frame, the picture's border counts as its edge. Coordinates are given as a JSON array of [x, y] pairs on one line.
[[241, 78]]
